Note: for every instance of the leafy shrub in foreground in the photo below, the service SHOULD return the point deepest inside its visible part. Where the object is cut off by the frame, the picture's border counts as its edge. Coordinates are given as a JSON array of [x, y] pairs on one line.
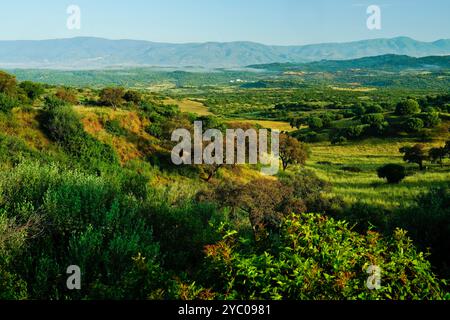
[[320, 258], [83, 220], [428, 222], [64, 126]]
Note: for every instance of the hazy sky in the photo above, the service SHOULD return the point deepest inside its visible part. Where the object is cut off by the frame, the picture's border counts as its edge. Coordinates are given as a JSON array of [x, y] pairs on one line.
[[266, 21]]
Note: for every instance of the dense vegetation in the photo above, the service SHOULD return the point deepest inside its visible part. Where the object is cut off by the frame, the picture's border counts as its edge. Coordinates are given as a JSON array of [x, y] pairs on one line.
[[86, 179]]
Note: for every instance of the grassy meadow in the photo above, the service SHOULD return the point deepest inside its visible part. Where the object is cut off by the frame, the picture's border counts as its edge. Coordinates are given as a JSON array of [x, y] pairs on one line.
[[330, 163]]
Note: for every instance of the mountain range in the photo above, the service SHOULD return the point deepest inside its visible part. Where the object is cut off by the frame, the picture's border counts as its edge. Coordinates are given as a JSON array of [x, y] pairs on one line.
[[98, 53], [388, 62]]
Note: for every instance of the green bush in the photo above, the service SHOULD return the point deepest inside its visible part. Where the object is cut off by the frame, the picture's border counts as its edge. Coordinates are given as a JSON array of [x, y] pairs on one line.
[[407, 107], [31, 89], [428, 223], [114, 127], [393, 173], [13, 150], [413, 125], [52, 102], [431, 119], [83, 220], [7, 103], [320, 258], [64, 126]]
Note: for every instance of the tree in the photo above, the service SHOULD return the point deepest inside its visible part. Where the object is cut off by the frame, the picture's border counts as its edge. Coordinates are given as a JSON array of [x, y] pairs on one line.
[[31, 89], [67, 95], [292, 151], [431, 119], [358, 109], [376, 122], [407, 107], [437, 155], [376, 108], [8, 83], [315, 123], [338, 139], [393, 173], [266, 201], [133, 96], [373, 119], [112, 97], [413, 125], [354, 132], [415, 154]]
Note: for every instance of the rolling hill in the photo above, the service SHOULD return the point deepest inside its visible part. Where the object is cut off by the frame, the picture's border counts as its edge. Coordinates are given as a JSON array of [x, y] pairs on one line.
[[389, 62]]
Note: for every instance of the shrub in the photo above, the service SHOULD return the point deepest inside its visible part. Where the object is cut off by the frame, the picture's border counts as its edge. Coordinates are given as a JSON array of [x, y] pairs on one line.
[[114, 127], [31, 89], [7, 103], [53, 102], [428, 222], [87, 221], [67, 95], [13, 150], [354, 132], [320, 258], [132, 96], [8, 84], [338, 139], [112, 97], [155, 130], [393, 173], [64, 126], [351, 169]]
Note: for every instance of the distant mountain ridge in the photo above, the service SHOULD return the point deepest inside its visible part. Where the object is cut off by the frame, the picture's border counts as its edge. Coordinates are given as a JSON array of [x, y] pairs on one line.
[[389, 62], [87, 52]]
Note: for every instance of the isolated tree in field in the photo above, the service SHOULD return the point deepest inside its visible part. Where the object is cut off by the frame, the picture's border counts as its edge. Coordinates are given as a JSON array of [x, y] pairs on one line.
[[292, 151], [393, 173], [437, 155], [447, 147], [8, 83], [112, 97], [31, 89], [413, 125], [415, 154], [407, 107]]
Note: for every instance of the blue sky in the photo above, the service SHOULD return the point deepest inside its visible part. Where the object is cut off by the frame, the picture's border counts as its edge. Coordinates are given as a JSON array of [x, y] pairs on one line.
[[267, 21]]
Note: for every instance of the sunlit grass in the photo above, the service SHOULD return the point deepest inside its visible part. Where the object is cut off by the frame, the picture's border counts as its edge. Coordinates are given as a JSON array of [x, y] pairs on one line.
[[328, 162]]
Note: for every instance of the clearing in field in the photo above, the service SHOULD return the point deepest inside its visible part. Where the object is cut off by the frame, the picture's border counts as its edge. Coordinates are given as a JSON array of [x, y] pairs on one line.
[[190, 106], [274, 125]]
